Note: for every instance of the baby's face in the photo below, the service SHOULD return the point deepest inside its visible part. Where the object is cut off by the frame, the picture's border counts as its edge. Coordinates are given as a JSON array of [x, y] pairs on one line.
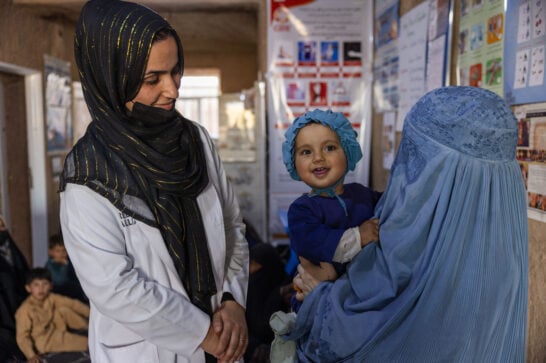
[[39, 288], [319, 157]]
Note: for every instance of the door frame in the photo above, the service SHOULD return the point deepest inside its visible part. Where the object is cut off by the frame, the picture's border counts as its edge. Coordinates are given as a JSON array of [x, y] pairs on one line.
[[36, 156], [4, 205]]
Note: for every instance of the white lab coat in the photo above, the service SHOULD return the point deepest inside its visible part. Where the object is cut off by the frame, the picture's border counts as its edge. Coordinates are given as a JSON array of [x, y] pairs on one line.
[[140, 311]]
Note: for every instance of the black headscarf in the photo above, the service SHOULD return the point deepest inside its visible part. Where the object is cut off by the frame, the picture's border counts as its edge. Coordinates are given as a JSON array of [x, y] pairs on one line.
[[154, 155]]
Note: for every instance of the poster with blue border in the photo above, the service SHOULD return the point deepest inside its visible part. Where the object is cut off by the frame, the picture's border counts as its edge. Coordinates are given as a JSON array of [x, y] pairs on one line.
[[524, 52]]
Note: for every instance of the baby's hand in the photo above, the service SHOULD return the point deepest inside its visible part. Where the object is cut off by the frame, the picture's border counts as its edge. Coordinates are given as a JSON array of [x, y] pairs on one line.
[[369, 231]]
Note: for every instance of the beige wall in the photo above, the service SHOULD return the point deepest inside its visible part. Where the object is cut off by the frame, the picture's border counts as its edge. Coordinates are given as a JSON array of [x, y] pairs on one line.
[[227, 40], [536, 339], [25, 37]]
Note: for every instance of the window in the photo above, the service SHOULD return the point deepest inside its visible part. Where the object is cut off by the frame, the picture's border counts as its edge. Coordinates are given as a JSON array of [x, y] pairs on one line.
[[198, 98]]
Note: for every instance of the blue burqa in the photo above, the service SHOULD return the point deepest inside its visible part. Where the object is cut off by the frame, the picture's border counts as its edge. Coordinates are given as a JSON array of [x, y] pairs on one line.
[[448, 280]]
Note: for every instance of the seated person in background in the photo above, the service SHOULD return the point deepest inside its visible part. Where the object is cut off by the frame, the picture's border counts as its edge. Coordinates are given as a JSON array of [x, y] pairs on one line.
[[63, 276], [43, 320], [333, 221], [269, 290], [13, 268], [252, 236]]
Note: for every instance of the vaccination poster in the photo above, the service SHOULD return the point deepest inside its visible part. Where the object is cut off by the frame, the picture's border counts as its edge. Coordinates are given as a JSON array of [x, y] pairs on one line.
[[480, 44], [319, 56], [531, 156], [524, 52]]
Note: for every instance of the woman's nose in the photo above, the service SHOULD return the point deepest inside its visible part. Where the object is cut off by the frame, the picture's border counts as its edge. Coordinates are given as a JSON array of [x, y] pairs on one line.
[[171, 87]]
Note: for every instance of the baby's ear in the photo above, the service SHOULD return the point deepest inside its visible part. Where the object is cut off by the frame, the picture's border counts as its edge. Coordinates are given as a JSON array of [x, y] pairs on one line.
[[27, 287]]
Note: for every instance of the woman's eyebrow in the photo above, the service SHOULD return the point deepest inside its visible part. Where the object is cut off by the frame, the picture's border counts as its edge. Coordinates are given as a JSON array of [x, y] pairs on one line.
[[154, 72]]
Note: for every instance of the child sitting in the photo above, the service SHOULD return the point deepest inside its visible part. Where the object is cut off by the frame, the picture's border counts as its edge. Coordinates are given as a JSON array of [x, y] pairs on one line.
[[63, 276], [43, 319], [333, 221]]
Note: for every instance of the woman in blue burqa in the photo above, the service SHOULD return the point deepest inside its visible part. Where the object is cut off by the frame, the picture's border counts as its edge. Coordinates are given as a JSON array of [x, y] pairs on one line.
[[447, 281]]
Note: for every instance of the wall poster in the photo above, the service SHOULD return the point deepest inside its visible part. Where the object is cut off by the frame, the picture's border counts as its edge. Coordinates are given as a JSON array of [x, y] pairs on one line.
[[480, 45], [386, 56], [411, 54], [413, 59], [524, 51], [58, 103], [81, 116], [319, 56], [531, 155]]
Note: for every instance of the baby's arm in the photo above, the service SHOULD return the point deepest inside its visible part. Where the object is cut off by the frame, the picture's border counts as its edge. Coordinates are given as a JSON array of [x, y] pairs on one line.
[[354, 239], [369, 231]]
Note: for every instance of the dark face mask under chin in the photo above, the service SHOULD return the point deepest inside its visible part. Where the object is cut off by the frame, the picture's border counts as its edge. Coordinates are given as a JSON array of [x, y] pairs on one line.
[[145, 116]]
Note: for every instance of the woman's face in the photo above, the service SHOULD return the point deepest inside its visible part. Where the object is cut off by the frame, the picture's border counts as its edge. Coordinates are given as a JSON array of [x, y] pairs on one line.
[[319, 157], [162, 77]]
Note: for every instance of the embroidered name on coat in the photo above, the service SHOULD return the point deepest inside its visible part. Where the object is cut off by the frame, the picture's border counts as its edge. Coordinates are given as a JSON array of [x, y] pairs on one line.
[[126, 220]]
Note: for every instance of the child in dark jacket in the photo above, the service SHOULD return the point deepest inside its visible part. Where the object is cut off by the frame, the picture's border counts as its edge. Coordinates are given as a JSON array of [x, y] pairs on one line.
[[63, 276]]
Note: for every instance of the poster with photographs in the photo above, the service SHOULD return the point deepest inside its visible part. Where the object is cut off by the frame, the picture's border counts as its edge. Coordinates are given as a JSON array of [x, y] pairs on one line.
[[480, 44], [531, 156], [58, 103]]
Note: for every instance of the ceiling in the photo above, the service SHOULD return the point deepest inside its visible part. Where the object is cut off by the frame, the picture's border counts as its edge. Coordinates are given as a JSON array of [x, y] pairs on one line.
[[70, 9], [232, 23]]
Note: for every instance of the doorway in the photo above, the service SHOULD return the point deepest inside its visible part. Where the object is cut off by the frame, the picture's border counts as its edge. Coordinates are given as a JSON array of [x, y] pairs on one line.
[[22, 160], [4, 208]]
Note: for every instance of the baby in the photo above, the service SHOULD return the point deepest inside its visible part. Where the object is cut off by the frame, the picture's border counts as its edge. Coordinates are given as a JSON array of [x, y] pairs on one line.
[[334, 220]]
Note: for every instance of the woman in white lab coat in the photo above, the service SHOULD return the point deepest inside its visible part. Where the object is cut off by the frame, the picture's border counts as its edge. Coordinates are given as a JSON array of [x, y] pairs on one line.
[[148, 217]]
